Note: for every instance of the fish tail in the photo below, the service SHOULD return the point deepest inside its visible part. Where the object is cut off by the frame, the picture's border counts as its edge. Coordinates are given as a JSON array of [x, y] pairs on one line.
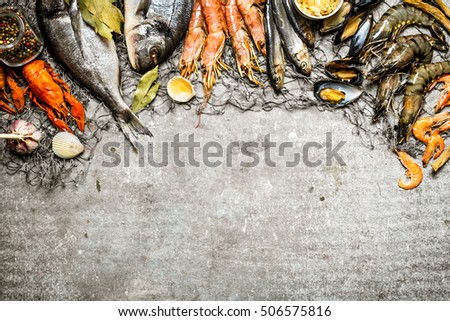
[[131, 126]]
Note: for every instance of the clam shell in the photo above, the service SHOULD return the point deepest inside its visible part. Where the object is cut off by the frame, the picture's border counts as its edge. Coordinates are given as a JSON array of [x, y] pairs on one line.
[[351, 92], [66, 145], [180, 89]]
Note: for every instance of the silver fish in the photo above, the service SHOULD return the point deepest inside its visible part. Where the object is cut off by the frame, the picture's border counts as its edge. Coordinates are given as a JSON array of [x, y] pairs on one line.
[[276, 66], [90, 59], [153, 29], [294, 47]]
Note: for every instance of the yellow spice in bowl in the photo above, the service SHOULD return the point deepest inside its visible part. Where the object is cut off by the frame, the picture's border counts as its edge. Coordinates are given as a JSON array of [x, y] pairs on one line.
[[318, 8]]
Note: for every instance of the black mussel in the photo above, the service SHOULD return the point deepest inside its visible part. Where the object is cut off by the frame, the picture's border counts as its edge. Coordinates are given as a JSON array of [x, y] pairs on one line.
[[344, 70], [364, 5], [336, 93], [349, 29], [360, 38], [338, 19]]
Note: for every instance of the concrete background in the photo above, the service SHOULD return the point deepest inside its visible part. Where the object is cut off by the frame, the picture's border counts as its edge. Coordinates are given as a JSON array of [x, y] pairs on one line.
[[326, 233], [231, 233]]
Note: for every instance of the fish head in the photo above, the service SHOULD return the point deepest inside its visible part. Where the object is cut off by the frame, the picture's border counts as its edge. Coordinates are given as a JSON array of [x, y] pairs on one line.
[[304, 64], [148, 44]]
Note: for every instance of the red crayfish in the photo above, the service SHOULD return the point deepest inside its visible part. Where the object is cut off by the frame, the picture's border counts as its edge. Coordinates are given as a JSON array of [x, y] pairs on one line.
[[50, 93]]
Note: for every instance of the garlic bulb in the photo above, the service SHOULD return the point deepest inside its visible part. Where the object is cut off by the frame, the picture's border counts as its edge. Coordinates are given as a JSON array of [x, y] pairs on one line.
[[24, 137]]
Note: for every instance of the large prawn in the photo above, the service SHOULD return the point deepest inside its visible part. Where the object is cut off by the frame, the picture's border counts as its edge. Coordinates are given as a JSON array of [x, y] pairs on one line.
[[416, 88], [253, 18], [394, 20], [404, 51], [194, 42], [240, 40], [50, 93]]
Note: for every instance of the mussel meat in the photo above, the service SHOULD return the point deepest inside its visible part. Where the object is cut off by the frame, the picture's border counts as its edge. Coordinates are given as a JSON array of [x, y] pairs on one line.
[[349, 29], [344, 70], [336, 93]]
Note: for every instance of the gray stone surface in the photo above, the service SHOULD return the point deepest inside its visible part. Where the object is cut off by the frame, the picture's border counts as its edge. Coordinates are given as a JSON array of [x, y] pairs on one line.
[[326, 233], [231, 233]]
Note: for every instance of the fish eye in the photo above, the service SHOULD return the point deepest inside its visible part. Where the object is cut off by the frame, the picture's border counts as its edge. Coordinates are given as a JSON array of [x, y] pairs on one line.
[[154, 52]]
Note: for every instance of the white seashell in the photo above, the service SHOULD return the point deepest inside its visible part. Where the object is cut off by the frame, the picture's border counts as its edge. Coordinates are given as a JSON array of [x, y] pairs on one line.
[[66, 145], [180, 89]]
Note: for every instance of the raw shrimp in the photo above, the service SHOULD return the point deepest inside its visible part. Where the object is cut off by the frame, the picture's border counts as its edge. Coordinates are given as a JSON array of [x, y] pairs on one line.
[[404, 51]]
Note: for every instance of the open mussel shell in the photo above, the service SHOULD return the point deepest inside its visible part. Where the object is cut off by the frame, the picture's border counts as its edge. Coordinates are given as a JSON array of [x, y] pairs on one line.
[[336, 93], [66, 145], [345, 71], [361, 37], [364, 5], [180, 89]]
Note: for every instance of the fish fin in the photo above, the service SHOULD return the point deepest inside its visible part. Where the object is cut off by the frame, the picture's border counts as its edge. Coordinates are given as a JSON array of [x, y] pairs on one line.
[[131, 126]]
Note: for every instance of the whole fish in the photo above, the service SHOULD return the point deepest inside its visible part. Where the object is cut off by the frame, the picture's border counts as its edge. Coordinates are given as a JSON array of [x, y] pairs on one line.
[[276, 66], [153, 30], [301, 25], [294, 47], [90, 59]]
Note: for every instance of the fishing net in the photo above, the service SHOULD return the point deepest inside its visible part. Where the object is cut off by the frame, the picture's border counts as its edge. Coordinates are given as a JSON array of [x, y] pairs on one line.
[[231, 91]]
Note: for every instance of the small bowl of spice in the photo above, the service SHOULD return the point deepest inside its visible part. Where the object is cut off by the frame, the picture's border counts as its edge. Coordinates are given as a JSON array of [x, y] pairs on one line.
[[318, 9], [19, 44]]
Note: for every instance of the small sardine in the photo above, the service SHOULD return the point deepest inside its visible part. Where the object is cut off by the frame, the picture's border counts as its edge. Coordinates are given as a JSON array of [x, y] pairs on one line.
[[276, 65], [294, 47]]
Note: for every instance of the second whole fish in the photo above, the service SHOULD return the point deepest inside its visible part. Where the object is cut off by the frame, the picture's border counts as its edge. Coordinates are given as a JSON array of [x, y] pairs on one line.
[[294, 47], [153, 30], [90, 59]]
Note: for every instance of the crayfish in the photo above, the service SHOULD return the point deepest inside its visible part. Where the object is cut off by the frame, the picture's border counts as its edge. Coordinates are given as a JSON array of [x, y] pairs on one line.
[[9, 79], [50, 93]]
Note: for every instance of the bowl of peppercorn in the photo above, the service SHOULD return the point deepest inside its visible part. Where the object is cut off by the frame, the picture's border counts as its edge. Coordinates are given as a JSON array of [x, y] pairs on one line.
[[19, 43]]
